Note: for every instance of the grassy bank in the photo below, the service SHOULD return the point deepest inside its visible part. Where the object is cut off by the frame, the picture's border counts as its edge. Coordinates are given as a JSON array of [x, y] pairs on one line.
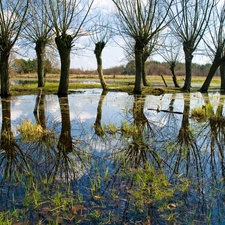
[[29, 84]]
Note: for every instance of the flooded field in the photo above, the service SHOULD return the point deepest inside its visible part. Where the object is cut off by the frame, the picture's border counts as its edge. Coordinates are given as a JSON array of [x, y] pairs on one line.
[[113, 158]]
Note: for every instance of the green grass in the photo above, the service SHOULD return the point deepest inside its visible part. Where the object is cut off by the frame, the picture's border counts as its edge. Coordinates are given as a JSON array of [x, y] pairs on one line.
[[120, 83], [202, 113]]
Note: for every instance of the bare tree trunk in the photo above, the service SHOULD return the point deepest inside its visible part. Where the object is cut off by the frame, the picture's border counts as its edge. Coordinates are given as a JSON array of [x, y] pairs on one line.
[[40, 52], [216, 63], [172, 69], [98, 53], [222, 75], [209, 77], [4, 66], [144, 78], [139, 70], [188, 68], [144, 59], [64, 45]]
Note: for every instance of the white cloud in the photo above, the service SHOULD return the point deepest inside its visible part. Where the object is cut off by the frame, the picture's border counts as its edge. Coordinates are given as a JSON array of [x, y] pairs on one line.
[[82, 117]]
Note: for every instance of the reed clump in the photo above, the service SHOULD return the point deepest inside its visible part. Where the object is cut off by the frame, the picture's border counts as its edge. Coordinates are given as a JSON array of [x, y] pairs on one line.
[[31, 131]]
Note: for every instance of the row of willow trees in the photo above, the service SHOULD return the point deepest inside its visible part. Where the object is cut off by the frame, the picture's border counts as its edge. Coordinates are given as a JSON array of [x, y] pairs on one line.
[[142, 24]]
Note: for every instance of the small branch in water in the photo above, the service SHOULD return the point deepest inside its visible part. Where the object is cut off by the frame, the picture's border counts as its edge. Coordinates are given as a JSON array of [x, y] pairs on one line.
[[167, 111]]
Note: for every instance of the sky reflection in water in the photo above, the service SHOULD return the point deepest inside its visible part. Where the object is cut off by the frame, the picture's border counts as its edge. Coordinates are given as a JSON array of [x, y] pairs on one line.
[[184, 147]]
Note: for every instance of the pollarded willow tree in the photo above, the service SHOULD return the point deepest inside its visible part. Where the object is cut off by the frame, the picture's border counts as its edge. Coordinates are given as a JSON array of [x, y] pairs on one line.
[[189, 21], [100, 37], [216, 45], [170, 52], [148, 51], [68, 18], [38, 31], [141, 20], [12, 16]]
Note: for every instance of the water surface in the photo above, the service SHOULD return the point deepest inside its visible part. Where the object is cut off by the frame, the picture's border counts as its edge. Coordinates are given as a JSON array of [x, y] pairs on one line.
[[114, 158]]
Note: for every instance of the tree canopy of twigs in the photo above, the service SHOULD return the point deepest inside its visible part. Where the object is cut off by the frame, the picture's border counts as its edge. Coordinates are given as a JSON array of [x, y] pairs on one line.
[[170, 52], [69, 20], [38, 31], [12, 16], [102, 33], [215, 43], [141, 21], [189, 21]]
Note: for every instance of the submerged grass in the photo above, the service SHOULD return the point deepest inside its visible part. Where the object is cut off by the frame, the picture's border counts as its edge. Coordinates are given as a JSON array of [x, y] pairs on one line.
[[32, 131], [152, 187], [202, 113], [199, 114]]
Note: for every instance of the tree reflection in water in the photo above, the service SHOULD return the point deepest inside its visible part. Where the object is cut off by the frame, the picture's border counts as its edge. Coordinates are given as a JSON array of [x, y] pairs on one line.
[[154, 170], [194, 152], [39, 113], [139, 145], [97, 125], [70, 161], [12, 158]]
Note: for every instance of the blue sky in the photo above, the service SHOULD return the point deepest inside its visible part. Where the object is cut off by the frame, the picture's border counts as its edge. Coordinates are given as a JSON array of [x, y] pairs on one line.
[[113, 54]]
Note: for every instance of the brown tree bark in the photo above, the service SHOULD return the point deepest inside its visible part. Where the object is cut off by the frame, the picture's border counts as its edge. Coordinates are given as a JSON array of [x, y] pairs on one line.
[[188, 65], [144, 59], [40, 52], [216, 63], [64, 45], [138, 62], [98, 53], [11, 25], [4, 65], [222, 75], [172, 69]]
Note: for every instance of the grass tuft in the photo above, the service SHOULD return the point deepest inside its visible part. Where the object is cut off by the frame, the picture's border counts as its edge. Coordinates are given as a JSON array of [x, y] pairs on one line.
[[30, 131]]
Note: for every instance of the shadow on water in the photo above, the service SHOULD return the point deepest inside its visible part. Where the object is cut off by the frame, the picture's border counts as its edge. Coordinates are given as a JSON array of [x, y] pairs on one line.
[[109, 158]]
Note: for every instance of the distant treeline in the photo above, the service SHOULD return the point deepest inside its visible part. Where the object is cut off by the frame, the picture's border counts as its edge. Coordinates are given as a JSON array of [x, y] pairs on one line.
[[152, 68], [21, 66]]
